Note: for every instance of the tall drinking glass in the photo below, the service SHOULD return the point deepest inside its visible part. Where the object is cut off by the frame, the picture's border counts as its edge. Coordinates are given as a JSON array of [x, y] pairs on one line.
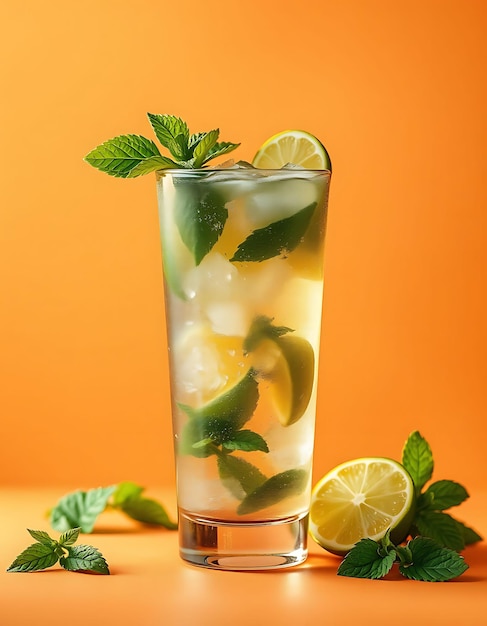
[[243, 271]]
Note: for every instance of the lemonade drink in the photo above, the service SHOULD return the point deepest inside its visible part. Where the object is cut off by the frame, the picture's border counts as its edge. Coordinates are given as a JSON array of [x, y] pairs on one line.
[[243, 269]]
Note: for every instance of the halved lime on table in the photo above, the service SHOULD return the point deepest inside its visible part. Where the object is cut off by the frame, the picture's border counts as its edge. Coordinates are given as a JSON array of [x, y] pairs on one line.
[[363, 498], [293, 146]]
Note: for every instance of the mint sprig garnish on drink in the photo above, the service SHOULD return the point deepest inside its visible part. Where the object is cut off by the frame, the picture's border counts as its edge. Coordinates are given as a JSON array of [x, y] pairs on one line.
[[46, 552], [129, 156], [80, 509]]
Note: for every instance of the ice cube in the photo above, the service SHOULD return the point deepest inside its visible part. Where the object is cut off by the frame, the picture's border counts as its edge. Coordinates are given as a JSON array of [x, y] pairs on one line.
[[219, 291], [214, 277], [275, 200], [228, 318]]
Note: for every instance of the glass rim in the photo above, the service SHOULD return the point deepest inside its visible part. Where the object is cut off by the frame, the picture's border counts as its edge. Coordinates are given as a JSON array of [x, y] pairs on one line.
[[232, 170]]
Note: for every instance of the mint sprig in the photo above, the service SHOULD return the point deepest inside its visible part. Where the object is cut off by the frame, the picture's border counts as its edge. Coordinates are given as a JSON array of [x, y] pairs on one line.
[[430, 520], [46, 552], [129, 156], [420, 559], [432, 553], [80, 509]]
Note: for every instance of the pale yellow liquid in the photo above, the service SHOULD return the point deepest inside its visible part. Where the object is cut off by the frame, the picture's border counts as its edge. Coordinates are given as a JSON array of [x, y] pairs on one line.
[[210, 309]]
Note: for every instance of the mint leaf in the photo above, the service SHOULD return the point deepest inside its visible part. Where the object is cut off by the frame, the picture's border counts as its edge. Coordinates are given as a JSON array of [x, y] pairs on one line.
[[431, 562], [201, 436], [470, 536], [277, 238], [36, 557], [365, 561], [204, 145], [200, 215], [219, 149], [147, 511], [273, 490], [120, 155], [80, 509], [217, 421], [239, 477], [124, 491], [442, 495], [151, 164], [172, 132], [440, 527], [42, 537], [417, 458], [69, 537], [84, 559], [194, 140], [262, 328], [247, 441]]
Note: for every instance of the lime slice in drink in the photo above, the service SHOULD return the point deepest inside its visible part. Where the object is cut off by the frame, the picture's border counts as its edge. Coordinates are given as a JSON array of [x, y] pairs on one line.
[[288, 363], [292, 146], [363, 498]]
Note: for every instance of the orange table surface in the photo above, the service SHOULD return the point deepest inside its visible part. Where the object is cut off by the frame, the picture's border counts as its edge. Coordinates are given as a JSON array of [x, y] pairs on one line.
[[150, 586]]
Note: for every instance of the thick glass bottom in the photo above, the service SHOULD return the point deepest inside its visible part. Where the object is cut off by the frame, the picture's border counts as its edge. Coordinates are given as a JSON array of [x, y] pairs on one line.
[[243, 546]]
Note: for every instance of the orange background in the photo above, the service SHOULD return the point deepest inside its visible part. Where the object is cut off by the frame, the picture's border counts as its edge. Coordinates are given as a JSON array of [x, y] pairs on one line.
[[396, 91]]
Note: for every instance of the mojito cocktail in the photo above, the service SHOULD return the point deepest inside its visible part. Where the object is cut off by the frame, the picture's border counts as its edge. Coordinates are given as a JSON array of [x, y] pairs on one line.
[[243, 265], [242, 249]]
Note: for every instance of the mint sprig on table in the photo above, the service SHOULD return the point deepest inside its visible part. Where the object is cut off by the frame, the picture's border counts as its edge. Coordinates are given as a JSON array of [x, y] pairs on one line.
[[46, 552], [80, 509], [129, 156], [432, 553]]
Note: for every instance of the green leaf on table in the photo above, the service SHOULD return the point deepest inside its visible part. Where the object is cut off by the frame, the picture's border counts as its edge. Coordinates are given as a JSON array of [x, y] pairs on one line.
[[124, 491], [417, 458], [432, 562], [204, 145], [365, 561], [239, 477], [470, 536], [120, 155], [247, 441], [277, 238], [200, 215], [441, 527], [69, 537], [42, 537], [36, 557], [147, 511], [273, 490], [442, 495], [80, 509], [84, 559]]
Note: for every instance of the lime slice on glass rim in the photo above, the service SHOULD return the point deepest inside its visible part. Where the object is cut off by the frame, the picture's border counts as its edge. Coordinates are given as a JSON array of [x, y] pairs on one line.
[[362, 498], [292, 146]]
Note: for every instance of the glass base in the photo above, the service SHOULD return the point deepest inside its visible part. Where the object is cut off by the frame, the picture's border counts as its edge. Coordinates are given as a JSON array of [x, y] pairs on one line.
[[243, 546]]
